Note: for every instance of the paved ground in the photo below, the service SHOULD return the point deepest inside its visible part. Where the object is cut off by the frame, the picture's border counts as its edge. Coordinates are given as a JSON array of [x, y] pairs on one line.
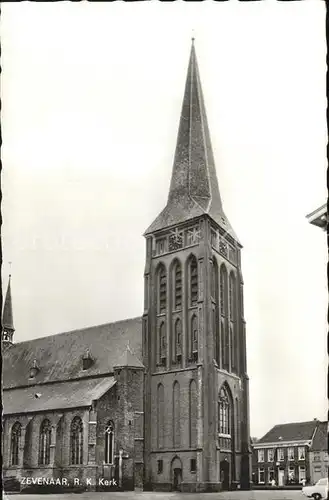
[[228, 495]]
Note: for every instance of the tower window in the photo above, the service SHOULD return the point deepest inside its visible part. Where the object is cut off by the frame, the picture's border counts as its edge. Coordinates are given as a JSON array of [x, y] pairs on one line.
[[178, 340], [178, 286], [162, 290], [160, 466], [193, 281], [193, 465], [162, 343], [194, 338]]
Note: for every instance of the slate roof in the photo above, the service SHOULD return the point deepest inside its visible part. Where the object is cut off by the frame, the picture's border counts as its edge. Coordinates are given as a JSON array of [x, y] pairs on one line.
[[320, 440], [194, 187], [61, 395], [128, 359], [296, 431], [59, 357]]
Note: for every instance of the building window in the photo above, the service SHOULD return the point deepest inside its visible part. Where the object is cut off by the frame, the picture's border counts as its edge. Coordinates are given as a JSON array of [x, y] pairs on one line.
[[44, 443], [214, 279], [160, 246], [224, 419], [232, 296], [76, 441], [270, 455], [301, 453], [260, 455], [109, 443], [162, 289], [15, 442], [280, 454], [271, 476], [316, 456], [193, 465], [193, 281], [178, 339], [325, 455], [162, 344], [291, 453], [291, 474], [194, 337], [261, 476], [301, 473], [178, 286], [160, 466]]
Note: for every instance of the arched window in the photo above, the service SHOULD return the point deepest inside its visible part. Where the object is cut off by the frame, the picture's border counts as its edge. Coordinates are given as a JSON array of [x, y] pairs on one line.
[[160, 416], [45, 442], [176, 415], [162, 289], [162, 343], [194, 337], [193, 275], [225, 347], [109, 443], [193, 414], [232, 297], [15, 442], [177, 286], [76, 441], [214, 279], [178, 339], [224, 419]]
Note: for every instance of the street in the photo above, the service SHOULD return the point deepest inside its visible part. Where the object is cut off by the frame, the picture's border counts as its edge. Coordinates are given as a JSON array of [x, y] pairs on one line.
[[227, 495]]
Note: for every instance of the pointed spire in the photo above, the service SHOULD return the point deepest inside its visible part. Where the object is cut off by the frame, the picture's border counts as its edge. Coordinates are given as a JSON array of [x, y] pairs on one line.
[[194, 187], [7, 316]]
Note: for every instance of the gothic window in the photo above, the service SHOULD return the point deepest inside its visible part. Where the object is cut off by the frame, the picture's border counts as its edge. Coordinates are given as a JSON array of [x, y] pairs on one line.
[[193, 281], [76, 441], [162, 289], [193, 414], [194, 337], [15, 442], [176, 415], [178, 339], [214, 280], [162, 343], [45, 442], [224, 419], [160, 416], [177, 286], [224, 313], [109, 443], [232, 297]]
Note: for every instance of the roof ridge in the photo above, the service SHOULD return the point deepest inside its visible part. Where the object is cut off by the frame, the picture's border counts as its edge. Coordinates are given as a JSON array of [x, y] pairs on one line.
[[77, 330]]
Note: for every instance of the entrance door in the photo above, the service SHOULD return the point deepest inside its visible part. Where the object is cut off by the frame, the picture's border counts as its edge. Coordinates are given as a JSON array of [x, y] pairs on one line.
[[281, 477], [225, 475], [176, 474], [177, 479]]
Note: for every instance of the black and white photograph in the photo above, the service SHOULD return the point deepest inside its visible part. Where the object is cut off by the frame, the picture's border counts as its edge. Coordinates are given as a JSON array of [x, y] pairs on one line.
[[164, 250]]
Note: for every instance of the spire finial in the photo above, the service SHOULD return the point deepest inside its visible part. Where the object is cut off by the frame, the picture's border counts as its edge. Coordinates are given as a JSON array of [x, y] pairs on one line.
[[193, 36], [10, 263]]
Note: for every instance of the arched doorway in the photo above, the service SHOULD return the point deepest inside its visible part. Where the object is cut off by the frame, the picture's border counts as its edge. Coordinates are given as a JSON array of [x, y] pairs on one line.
[[176, 474], [225, 474]]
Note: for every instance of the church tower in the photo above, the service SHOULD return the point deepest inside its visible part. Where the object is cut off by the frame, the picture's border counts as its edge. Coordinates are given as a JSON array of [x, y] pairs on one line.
[[194, 348], [7, 318]]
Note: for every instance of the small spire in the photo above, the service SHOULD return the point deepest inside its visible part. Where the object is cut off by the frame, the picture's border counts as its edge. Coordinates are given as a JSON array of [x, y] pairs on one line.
[[7, 316]]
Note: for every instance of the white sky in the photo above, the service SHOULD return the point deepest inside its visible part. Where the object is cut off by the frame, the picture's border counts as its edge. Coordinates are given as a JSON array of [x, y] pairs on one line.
[[91, 96]]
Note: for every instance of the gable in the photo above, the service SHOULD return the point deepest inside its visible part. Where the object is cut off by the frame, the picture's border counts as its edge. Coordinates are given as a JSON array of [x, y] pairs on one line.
[[59, 357]]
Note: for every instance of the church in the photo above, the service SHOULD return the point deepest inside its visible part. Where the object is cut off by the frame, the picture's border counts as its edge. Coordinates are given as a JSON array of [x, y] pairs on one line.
[[159, 402]]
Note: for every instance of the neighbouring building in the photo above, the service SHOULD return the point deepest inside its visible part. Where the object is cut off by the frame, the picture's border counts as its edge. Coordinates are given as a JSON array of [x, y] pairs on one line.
[[286, 454], [319, 217], [319, 453], [162, 401]]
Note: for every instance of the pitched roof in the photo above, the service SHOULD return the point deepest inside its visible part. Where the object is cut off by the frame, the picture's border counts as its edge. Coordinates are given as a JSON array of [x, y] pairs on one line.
[[7, 315], [59, 357], [194, 187], [129, 359], [297, 431], [61, 395], [320, 440]]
